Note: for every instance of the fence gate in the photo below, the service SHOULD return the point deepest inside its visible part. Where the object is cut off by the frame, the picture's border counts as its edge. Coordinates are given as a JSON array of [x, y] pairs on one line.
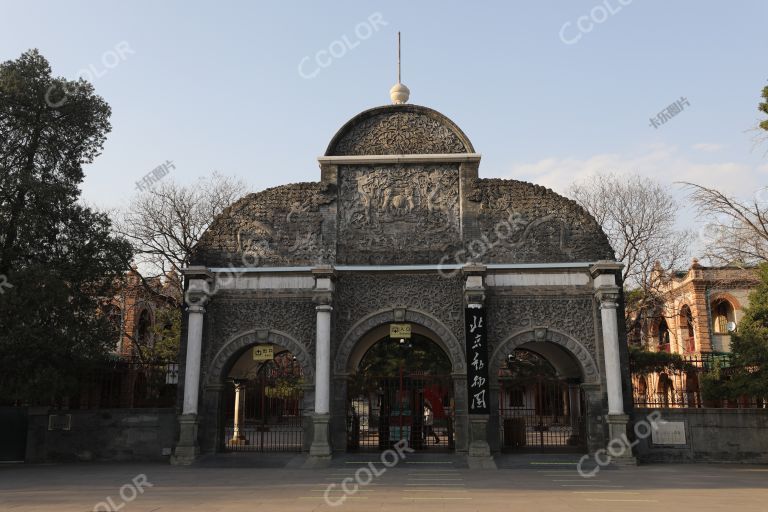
[[541, 414], [415, 407], [264, 413]]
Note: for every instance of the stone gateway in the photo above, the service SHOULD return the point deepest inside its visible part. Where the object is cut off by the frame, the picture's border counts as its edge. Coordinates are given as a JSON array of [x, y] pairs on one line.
[[400, 229]]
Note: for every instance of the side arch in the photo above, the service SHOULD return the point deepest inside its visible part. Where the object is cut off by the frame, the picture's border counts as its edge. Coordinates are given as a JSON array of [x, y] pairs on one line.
[[242, 340], [589, 368], [445, 338]]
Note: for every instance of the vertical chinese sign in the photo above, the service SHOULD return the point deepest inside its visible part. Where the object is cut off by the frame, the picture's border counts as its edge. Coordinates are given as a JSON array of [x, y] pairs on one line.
[[478, 385]]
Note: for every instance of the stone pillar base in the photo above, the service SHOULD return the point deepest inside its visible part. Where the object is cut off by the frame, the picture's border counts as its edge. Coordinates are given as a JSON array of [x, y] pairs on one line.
[[320, 451], [479, 455], [617, 436], [187, 449]]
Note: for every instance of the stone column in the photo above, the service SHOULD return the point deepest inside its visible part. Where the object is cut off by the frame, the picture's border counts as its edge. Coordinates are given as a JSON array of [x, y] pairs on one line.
[[196, 296], [194, 352], [479, 452], [320, 450], [323, 360], [237, 437], [608, 307], [607, 292]]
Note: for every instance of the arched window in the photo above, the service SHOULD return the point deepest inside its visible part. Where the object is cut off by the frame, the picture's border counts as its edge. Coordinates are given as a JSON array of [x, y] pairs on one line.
[[144, 329], [722, 313], [663, 336], [686, 324]]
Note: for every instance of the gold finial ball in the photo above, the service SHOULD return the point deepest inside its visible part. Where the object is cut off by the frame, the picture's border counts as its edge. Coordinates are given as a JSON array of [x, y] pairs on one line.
[[399, 94]]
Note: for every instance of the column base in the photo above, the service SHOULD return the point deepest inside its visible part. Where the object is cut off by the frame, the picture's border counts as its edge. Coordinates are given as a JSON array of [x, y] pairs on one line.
[[187, 450], [320, 450], [479, 455], [617, 433]]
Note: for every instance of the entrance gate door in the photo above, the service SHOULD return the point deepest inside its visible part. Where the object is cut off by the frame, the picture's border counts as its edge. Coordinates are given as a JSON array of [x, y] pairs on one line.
[[415, 407], [264, 413], [537, 410]]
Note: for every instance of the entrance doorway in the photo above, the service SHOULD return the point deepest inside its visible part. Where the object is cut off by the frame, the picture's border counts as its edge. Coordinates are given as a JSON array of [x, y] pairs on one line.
[[402, 390], [262, 406], [538, 410]]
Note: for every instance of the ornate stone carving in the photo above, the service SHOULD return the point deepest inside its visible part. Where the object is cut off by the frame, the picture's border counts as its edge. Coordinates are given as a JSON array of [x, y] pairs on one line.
[[228, 317], [399, 133], [411, 209], [521, 222], [358, 296], [573, 316], [279, 226], [233, 346], [454, 348]]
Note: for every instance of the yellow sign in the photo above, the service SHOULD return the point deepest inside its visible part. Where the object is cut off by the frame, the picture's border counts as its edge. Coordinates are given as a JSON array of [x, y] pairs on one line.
[[399, 330], [263, 353]]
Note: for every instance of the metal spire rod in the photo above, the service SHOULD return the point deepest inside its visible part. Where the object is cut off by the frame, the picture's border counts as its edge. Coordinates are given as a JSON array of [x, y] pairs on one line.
[[398, 57]]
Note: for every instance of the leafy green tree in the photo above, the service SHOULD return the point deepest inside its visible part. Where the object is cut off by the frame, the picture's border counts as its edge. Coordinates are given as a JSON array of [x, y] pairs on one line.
[[749, 346], [57, 255]]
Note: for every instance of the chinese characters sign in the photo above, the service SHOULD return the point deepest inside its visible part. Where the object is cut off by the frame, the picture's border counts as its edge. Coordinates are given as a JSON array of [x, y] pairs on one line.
[[263, 353], [399, 330], [478, 385]]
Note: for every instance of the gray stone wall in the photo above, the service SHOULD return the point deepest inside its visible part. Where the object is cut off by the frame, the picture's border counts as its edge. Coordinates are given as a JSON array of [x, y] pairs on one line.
[[103, 435], [712, 435]]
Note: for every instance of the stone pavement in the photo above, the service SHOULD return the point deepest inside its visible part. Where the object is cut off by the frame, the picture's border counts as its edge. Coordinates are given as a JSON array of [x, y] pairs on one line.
[[546, 485]]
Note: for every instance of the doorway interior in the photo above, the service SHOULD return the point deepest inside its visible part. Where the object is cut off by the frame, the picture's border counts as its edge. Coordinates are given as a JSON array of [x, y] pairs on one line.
[[539, 410], [262, 402], [402, 390]]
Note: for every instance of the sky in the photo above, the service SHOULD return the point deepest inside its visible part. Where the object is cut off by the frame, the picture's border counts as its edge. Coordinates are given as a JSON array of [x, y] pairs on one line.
[[548, 91]]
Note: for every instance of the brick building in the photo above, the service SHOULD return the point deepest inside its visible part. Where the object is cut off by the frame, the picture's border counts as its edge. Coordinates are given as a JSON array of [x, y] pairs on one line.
[[700, 309]]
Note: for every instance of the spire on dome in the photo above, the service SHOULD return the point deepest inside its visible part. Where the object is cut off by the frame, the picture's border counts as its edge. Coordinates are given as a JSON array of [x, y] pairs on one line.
[[399, 93]]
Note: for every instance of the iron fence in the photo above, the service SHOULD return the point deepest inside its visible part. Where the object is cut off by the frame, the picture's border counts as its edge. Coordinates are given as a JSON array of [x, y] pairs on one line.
[[125, 384], [678, 384]]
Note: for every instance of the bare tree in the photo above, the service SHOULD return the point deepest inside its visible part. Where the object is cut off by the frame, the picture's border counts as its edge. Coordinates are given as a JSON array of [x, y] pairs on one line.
[[165, 222], [638, 216], [737, 231]]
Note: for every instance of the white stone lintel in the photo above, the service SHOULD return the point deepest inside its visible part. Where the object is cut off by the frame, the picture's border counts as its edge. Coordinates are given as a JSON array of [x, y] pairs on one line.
[[396, 159], [538, 279]]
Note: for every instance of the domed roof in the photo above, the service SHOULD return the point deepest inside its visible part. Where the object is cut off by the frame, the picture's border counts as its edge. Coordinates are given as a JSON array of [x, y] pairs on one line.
[[399, 130], [381, 212]]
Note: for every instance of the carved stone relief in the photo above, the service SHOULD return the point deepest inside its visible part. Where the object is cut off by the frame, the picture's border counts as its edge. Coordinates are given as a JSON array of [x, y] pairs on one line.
[[358, 296], [573, 316], [399, 133], [398, 210], [229, 317]]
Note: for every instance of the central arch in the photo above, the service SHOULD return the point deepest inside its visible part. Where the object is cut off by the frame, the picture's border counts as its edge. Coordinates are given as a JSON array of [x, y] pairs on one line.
[[370, 330]]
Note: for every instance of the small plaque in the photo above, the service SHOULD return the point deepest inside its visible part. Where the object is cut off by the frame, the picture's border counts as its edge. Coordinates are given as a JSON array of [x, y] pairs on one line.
[[399, 331], [668, 432], [263, 353]]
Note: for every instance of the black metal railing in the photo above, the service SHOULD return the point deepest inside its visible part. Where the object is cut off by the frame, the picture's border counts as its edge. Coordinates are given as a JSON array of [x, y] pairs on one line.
[[126, 384], [415, 408], [678, 383]]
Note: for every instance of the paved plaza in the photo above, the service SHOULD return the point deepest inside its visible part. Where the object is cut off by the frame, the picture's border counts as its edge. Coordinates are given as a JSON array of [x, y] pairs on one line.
[[423, 486]]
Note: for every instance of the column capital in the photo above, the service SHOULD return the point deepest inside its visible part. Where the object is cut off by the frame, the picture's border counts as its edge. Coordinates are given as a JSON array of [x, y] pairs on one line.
[[605, 267], [196, 298], [196, 308], [608, 296], [474, 284], [324, 308]]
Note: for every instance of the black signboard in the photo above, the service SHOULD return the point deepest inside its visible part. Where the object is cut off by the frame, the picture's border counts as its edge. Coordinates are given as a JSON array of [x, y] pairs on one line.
[[478, 385]]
